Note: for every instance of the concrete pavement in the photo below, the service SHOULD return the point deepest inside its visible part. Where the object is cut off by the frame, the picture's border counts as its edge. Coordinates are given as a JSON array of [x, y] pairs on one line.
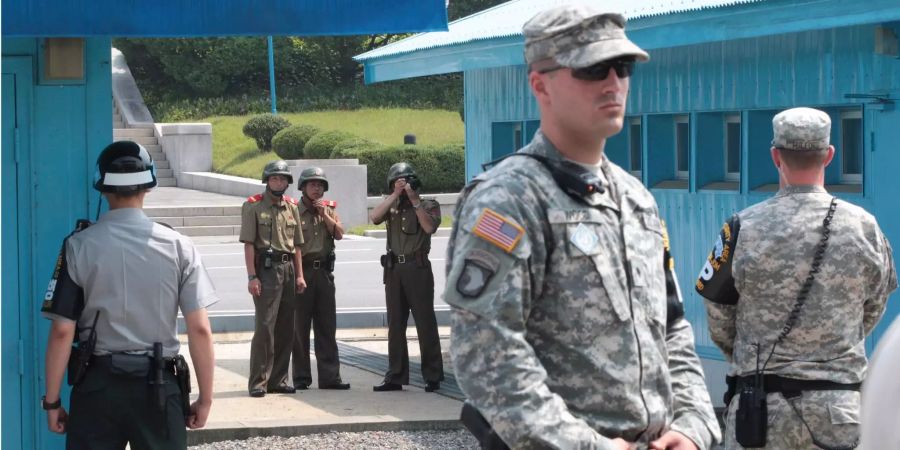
[[235, 415]]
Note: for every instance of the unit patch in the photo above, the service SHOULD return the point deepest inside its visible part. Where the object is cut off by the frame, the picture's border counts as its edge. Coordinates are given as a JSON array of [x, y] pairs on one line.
[[498, 230], [478, 270]]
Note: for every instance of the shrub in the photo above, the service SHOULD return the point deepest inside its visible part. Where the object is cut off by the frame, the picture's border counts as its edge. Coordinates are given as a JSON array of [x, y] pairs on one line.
[[289, 142], [347, 148], [441, 169], [322, 145], [263, 128]]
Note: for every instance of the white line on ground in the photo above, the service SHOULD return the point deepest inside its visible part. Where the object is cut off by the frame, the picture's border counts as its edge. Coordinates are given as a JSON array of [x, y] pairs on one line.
[[337, 263]]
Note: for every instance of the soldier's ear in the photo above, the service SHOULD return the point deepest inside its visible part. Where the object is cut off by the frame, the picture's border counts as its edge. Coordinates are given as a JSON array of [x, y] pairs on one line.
[[829, 156], [538, 86]]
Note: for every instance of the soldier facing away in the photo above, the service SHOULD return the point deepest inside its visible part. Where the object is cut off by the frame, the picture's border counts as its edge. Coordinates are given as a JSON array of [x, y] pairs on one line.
[[567, 325], [117, 289], [408, 278], [270, 231], [321, 226], [793, 286]]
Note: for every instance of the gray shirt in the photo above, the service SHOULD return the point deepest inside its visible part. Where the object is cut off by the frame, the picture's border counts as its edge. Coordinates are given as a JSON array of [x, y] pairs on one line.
[[137, 274]]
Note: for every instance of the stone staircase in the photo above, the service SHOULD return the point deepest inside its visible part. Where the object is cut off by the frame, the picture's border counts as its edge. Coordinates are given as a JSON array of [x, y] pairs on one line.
[[199, 221], [145, 137]]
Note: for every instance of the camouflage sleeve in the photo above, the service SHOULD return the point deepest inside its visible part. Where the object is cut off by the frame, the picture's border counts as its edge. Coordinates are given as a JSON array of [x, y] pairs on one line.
[[875, 304], [433, 208], [489, 286], [693, 411], [248, 224]]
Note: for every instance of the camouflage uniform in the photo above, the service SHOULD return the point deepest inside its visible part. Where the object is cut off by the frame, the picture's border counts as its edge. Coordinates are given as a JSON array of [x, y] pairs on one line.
[[770, 258], [560, 335]]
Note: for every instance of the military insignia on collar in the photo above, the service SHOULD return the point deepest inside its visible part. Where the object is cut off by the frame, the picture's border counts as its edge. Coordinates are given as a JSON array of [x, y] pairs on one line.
[[480, 266], [584, 238], [498, 230]]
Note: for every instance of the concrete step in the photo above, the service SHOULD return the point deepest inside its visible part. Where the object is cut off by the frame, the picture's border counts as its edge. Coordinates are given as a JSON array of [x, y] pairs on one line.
[[132, 132], [213, 230], [200, 221], [161, 164], [157, 156], [145, 140], [192, 211], [164, 173], [118, 124], [153, 147], [165, 182]]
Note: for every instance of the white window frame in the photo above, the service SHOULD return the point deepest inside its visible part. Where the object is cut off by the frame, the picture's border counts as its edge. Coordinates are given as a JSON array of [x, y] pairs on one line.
[[855, 178], [679, 119], [631, 122], [731, 118]]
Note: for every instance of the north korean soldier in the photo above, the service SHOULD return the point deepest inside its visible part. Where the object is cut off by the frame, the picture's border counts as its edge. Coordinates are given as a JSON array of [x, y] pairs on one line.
[[321, 227], [567, 324], [270, 231], [408, 278], [793, 286], [116, 291]]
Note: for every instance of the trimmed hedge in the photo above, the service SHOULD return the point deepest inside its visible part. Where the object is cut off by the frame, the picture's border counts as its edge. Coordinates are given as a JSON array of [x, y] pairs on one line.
[[322, 145], [289, 142], [441, 169], [343, 149], [263, 128]]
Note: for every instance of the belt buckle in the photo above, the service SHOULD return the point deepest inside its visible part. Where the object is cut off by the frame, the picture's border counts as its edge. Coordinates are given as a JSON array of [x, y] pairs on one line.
[[317, 264], [401, 259], [285, 258]]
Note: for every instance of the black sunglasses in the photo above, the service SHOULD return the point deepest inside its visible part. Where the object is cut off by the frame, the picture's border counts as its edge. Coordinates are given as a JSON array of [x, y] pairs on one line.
[[624, 67]]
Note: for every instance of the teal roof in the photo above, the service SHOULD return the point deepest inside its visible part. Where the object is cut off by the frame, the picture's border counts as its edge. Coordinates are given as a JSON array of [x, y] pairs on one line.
[[506, 20]]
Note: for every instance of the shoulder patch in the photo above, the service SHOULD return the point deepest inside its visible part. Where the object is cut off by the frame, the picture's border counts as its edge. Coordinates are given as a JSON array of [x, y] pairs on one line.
[[498, 230], [290, 199], [254, 198]]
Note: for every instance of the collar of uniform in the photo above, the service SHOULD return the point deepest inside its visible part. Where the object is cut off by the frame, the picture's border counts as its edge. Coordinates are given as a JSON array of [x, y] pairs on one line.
[[273, 200], [123, 214], [802, 189]]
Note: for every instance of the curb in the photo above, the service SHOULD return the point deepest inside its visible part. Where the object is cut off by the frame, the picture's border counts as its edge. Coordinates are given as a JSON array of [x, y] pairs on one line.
[[242, 431]]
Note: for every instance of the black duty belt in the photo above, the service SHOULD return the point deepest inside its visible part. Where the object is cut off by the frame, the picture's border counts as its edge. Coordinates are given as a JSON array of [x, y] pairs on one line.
[[277, 257], [315, 263], [789, 387], [105, 361], [409, 257]]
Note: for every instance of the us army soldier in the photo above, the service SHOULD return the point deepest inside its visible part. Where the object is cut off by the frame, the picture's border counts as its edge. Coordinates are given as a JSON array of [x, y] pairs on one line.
[[793, 287], [567, 324]]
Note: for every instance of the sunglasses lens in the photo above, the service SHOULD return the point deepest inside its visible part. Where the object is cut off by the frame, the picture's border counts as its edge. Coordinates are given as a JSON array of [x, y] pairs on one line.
[[599, 71]]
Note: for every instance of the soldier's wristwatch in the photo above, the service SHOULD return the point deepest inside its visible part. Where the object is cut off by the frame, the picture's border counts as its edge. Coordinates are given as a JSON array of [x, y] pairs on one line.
[[252, 277], [50, 406]]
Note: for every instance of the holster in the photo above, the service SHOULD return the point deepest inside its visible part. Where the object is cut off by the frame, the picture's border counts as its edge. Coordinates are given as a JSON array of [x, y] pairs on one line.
[[183, 375], [82, 354], [387, 260], [331, 260], [481, 429]]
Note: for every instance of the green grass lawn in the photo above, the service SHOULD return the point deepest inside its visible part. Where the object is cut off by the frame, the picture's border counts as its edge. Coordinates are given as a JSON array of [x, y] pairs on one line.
[[236, 154]]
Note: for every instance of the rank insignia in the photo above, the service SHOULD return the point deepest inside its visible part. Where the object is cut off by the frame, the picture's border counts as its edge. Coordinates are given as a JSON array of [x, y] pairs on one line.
[[498, 230], [584, 238]]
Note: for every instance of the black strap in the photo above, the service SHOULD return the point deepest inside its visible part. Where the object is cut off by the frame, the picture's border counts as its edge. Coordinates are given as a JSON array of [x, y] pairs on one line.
[[573, 179]]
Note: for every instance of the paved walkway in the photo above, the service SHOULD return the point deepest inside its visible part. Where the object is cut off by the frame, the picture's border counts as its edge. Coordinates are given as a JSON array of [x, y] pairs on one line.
[[235, 415]]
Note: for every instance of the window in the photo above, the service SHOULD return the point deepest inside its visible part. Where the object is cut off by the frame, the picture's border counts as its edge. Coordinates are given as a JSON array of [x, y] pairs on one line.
[[733, 147], [635, 147], [851, 147], [682, 147], [506, 137]]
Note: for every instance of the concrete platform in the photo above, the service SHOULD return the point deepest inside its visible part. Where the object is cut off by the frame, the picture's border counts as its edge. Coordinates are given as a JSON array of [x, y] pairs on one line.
[[236, 415], [178, 197]]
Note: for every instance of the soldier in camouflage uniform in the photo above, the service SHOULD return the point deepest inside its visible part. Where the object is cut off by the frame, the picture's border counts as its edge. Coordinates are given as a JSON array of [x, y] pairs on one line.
[[408, 279], [567, 325], [321, 227], [752, 280], [270, 231]]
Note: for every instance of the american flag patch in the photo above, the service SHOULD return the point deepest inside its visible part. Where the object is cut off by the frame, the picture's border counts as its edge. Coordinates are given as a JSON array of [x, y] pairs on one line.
[[498, 230]]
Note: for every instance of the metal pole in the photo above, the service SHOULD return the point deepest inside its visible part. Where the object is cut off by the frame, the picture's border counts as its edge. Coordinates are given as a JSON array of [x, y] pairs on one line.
[[272, 74]]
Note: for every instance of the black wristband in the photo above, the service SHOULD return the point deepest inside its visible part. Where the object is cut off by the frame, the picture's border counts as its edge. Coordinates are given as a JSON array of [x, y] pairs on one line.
[[50, 406], [252, 277]]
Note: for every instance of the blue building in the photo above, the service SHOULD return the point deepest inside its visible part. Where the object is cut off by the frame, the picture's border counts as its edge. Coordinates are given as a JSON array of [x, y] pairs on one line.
[[699, 121], [57, 117]]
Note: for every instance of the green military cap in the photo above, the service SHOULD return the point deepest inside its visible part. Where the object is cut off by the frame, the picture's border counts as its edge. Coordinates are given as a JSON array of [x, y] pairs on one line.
[[801, 129]]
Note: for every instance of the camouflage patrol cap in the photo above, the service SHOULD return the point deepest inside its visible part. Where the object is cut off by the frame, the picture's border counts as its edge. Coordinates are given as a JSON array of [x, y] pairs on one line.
[[577, 36], [801, 129]]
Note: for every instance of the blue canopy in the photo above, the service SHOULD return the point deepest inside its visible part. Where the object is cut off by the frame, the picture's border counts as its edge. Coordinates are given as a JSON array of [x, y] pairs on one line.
[[186, 18]]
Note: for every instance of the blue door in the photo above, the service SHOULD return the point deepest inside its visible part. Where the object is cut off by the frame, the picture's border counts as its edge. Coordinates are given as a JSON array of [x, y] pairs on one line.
[[18, 404]]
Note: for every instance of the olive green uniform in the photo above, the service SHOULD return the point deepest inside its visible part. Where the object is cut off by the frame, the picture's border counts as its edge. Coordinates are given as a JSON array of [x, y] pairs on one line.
[[409, 286], [269, 222], [316, 304]]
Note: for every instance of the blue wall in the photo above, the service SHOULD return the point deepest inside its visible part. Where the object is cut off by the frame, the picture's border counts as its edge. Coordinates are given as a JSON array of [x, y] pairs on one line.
[[753, 77], [62, 129]]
